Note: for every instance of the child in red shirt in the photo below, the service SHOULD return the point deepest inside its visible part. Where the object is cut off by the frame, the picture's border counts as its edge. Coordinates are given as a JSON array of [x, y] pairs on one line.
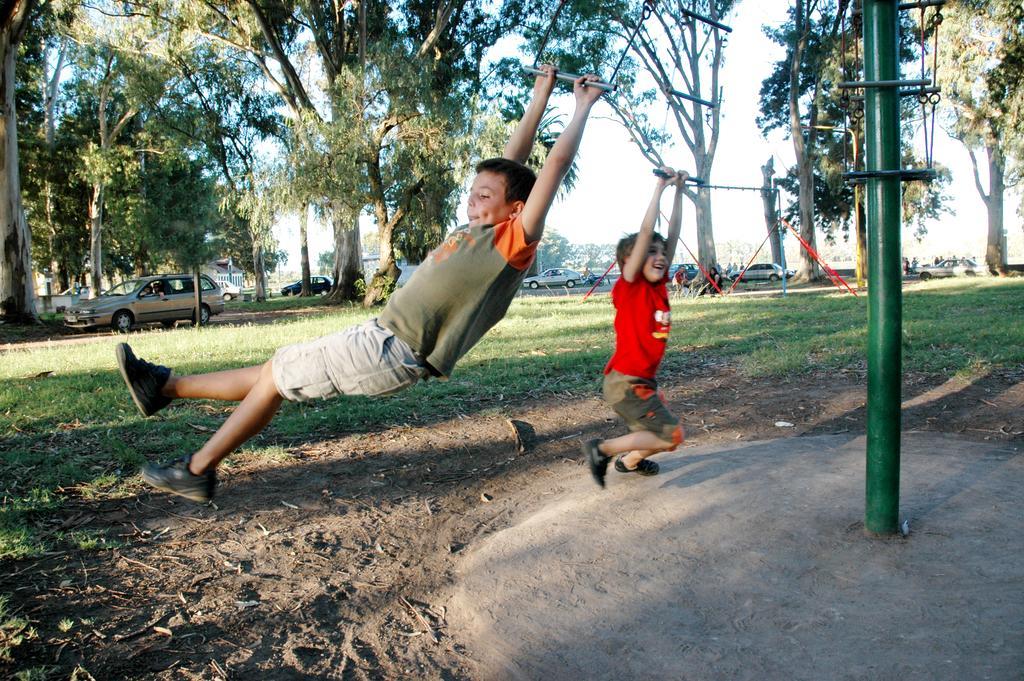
[[642, 324]]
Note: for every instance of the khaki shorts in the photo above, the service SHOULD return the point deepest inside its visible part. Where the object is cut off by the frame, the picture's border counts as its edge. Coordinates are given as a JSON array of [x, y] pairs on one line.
[[641, 406], [363, 360]]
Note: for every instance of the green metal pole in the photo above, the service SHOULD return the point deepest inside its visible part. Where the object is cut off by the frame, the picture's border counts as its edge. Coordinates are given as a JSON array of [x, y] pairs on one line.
[[885, 276]]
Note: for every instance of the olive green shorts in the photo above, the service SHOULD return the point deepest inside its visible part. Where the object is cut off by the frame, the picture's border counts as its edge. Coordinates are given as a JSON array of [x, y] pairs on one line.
[[641, 406]]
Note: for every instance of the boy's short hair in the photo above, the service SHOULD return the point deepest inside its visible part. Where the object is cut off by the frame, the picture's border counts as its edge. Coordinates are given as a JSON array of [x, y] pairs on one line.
[[519, 179], [627, 242]]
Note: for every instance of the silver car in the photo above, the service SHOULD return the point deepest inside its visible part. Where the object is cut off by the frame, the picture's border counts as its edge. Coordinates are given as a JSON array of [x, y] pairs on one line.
[[163, 299], [557, 276], [761, 271], [950, 267]]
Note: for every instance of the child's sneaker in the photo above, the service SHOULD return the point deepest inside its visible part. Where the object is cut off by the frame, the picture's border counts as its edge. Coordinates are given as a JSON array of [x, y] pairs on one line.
[[144, 380], [177, 479], [645, 467], [598, 462]]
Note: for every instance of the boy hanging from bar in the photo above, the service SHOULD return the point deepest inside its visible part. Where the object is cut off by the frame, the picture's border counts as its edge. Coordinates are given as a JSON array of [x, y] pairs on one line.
[[462, 289], [642, 323]]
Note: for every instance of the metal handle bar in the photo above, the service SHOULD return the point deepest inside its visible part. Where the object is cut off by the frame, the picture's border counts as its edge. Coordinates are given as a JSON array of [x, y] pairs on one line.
[[665, 176], [571, 77]]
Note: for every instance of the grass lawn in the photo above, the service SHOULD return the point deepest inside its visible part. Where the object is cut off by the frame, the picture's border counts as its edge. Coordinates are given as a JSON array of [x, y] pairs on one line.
[[68, 427]]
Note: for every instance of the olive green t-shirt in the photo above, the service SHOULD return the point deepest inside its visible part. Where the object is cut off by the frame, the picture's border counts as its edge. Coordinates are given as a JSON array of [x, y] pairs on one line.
[[461, 290]]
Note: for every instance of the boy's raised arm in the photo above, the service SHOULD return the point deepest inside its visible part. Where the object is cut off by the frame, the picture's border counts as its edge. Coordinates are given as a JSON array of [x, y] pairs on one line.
[[558, 161], [521, 143], [635, 262], [676, 220]]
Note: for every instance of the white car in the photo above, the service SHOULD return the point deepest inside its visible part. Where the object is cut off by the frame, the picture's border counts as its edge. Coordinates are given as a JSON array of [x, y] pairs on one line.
[[557, 276], [231, 291], [951, 267]]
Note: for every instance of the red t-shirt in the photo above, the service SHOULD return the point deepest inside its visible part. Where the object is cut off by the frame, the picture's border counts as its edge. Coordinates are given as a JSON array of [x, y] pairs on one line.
[[642, 323]]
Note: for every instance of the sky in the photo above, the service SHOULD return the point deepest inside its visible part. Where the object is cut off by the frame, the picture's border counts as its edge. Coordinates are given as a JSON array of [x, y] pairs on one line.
[[615, 181]]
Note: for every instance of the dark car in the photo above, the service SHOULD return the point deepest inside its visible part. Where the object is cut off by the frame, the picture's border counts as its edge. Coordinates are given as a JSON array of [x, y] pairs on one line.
[[317, 286]]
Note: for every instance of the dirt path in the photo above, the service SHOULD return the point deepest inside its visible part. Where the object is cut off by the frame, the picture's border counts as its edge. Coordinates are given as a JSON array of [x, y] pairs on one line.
[[749, 561], [341, 561]]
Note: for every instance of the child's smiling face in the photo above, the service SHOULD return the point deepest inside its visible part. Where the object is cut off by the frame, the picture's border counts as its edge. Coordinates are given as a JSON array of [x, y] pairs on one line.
[[656, 265], [487, 200]]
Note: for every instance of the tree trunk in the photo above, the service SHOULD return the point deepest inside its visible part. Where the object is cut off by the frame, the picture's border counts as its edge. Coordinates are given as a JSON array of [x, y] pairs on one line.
[[802, 148], [96, 239], [862, 235], [771, 212], [197, 287], [808, 268], [17, 297], [995, 250], [259, 270], [384, 279], [705, 234], [347, 268], [304, 249]]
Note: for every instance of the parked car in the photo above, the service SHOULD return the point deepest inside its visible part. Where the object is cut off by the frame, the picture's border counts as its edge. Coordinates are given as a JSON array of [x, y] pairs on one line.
[[760, 271], [230, 290], [691, 271], [317, 285], [557, 276], [165, 298], [950, 267]]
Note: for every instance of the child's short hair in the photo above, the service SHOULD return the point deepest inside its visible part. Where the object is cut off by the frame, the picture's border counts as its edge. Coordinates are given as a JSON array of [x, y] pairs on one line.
[[519, 179], [626, 243]]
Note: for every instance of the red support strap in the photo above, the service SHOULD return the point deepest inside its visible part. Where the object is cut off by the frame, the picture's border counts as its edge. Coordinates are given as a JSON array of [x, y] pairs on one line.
[[744, 270], [599, 280], [832, 274], [702, 270]]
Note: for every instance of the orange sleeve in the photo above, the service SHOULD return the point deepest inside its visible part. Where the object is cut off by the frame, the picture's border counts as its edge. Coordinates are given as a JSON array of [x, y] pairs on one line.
[[510, 240]]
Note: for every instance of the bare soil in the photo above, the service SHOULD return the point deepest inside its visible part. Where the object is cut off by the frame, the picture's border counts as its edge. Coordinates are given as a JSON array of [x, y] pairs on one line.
[[339, 562]]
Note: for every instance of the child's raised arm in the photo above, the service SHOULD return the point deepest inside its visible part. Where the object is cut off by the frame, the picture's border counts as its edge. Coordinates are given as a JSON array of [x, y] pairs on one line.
[[676, 220], [521, 143], [559, 159], [635, 261]]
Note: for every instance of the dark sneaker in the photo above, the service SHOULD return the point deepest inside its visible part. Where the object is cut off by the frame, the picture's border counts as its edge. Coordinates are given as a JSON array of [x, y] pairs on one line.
[[177, 479], [645, 467], [144, 380], [598, 462]]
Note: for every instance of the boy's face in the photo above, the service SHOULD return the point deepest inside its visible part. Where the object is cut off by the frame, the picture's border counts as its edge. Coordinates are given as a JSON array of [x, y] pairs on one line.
[[656, 265], [487, 204]]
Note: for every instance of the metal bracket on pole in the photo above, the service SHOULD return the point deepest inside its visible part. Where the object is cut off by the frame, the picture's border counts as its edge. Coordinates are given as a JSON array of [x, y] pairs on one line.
[[908, 5], [912, 92], [922, 4], [906, 175], [571, 77], [856, 85]]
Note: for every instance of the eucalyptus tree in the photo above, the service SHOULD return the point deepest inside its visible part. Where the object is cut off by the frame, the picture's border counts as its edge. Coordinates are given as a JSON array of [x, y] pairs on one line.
[[42, 64], [656, 53], [677, 53], [980, 65], [220, 108], [666, 64], [16, 285], [118, 60], [792, 98], [370, 87], [801, 97]]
